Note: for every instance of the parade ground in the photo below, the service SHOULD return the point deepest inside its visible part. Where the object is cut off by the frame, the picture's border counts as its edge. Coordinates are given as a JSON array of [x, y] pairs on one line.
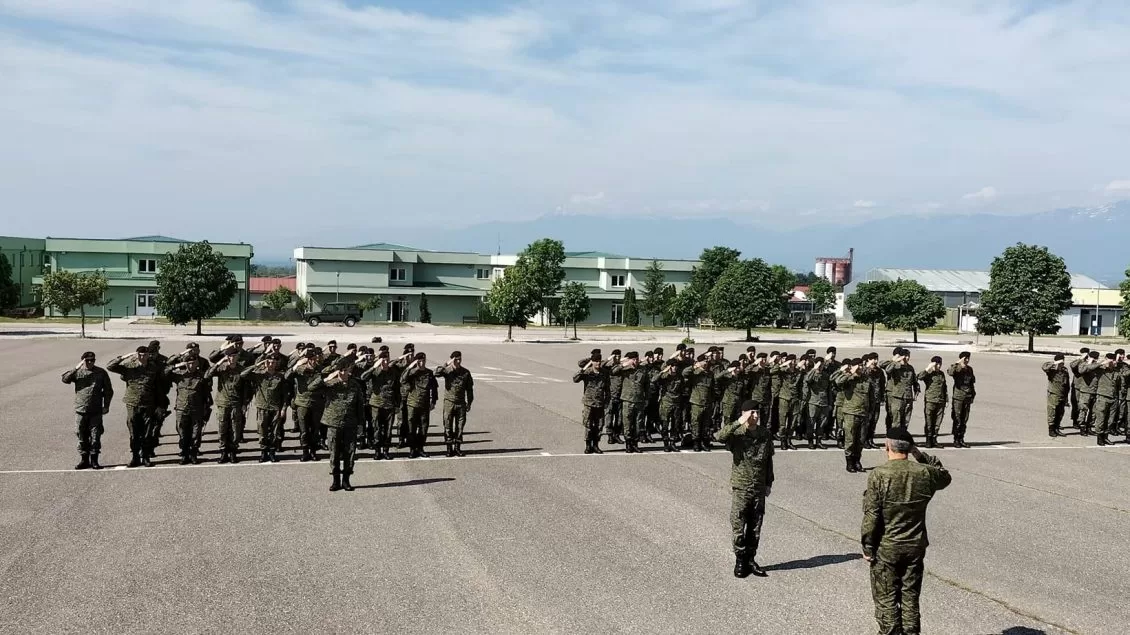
[[528, 535]]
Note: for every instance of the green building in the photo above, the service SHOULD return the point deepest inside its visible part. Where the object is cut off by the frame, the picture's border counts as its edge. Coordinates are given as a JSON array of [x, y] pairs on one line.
[[27, 257], [131, 264], [396, 277]]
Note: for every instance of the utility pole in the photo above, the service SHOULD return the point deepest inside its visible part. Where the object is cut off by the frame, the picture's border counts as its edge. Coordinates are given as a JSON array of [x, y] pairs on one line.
[[337, 296]]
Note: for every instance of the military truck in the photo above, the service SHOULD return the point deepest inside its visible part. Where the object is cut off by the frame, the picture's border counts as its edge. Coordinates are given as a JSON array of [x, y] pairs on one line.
[[348, 313]]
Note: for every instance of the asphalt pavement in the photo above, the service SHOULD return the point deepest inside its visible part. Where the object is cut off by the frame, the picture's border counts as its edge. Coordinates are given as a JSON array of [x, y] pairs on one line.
[[527, 534]]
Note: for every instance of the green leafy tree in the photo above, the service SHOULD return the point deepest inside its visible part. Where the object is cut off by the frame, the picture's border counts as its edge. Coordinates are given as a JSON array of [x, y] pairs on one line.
[[9, 290], [540, 266], [911, 306], [712, 264], [513, 300], [745, 296], [66, 291], [1029, 289], [654, 299], [669, 295], [870, 303], [194, 284], [302, 303], [1124, 323], [783, 281], [822, 295], [631, 309], [685, 307], [425, 313], [575, 305], [278, 299]]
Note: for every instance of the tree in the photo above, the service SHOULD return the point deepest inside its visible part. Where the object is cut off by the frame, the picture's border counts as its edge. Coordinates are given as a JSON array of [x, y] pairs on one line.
[[712, 264], [425, 313], [9, 290], [685, 306], [66, 291], [540, 266], [822, 295], [911, 306], [783, 281], [1124, 323], [669, 295], [194, 283], [1029, 289], [869, 303], [654, 297], [745, 296], [301, 304], [631, 309], [277, 299], [575, 305], [513, 300]]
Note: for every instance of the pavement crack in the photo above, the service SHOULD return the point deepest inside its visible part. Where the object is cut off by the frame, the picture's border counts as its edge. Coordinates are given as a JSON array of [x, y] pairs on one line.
[[1041, 490]]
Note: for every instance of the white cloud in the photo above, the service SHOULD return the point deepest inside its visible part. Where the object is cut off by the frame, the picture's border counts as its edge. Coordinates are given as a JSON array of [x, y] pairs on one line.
[[986, 193], [1118, 187], [586, 199], [864, 204]]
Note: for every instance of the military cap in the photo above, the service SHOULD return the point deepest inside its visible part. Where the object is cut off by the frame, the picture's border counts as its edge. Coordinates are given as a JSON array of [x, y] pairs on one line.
[[1119, 351], [711, 349], [456, 355], [343, 362], [409, 346], [1084, 350], [383, 348], [376, 340], [420, 355], [266, 339], [751, 349], [142, 349], [229, 338], [237, 338], [936, 359], [672, 362], [897, 351], [154, 345], [331, 343], [300, 345], [689, 349], [310, 352], [658, 350], [1110, 355], [595, 351], [615, 351], [749, 405], [632, 355], [194, 346], [277, 341], [775, 353], [383, 354], [648, 354], [790, 357], [1058, 357], [1094, 354], [318, 350], [735, 364], [701, 358], [87, 355], [964, 355], [680, 347], [831, 349], [273, 357], [900, 434], [350, 347], [762, 356], [743, 357], [810, 352]]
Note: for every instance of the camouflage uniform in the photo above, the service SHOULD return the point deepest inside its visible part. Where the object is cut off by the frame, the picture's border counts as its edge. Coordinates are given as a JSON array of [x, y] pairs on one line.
[[613, 419], [786, 402], [934, 403], [761, 393], [964, 392], [878, 393], [1085, 385], [343, 413], [700, 381], [382, 399], [1059, 384], [93, 393], [592, 403], [733, 382], [273, 394], [819, 383], [229, 401], [902, 388], [671, 388], [856, 389], [459, 394], [894, 537], [140, 400], [1106, 379], [751, 478], [633, 400], [192, 402], [308, 404], [421, 392]]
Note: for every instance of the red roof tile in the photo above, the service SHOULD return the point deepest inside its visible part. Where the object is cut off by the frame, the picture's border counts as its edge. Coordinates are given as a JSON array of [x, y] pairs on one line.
[[267, 285]]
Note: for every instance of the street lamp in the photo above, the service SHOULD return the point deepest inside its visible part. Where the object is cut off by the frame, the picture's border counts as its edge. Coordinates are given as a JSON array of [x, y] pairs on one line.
[[337, 298]]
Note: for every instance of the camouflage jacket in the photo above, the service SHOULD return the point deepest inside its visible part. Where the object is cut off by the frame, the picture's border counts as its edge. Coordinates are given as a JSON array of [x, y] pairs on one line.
[[634, 382], [193, 389], [382, 385], [615, 382], [819, 383], [894, 505], [963, 382], [93, 390], [596, 386], [701, 384], [856, 390], [142, 380], [752, 450], [458, 385], [419, 387], [302, 385], [229, 389], [345, 401], [937, 390], [1059, 380], [761, 384], [272, 390], [902, 382], [671, 384]]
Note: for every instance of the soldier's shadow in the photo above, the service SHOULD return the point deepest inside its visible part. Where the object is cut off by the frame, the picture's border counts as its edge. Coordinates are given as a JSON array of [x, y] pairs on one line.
[[1022, 630], [814, 562]]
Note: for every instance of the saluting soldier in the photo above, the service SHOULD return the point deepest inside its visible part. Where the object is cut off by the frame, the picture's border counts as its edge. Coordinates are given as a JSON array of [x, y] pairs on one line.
[[401, 364], [140, 400], [594, 376], [272, 399], [162, 407], [878, 395], [761, 388], [383, 381], [1059, 386], [856, 388], [1122, 425], [775, 360], [787, 372], [308, 402], [1076, 406], [1085, 384], [964, 392], [894, 530], [655, 363], [902, 388], [225, 372], [633, 398], [345, 408], [1105, 382], [93, 394], [733, 381], [192, 401], [819, 382], [670, 382], [458, 395], [421, 392], [751, 482], [700, 381], [934, 402], [613, 414]]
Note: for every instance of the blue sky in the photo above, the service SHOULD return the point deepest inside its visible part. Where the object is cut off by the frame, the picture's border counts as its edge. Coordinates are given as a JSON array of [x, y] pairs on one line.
[[319, 118]]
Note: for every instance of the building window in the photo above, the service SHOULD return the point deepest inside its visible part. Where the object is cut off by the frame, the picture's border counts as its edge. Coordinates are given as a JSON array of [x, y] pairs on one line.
[[499, 271], [397, 275], [617, 282], [147, 266], [482, 274], [617, 314]]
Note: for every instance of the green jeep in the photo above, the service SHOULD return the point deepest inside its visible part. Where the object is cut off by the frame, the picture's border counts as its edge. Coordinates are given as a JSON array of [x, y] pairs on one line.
[[348, 313]]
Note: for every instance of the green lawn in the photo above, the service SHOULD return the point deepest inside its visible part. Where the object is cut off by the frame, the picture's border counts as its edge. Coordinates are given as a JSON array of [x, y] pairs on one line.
[[50, 320]]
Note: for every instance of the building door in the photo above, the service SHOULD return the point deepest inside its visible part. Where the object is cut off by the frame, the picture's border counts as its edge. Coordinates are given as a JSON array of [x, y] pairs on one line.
[[397, 311], [146, 304], [617, 314], [1084, 322], [1097, 326]]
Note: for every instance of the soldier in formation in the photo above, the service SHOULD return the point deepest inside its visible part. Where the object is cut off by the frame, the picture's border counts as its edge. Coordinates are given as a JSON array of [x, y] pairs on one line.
[[751, 482], [233, 380], [1098, 394]]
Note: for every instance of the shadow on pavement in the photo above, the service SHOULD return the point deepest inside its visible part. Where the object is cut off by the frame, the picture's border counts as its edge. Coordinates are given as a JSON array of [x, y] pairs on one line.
[[499, 451], [1022, 630], [813, 562], [415, 481]]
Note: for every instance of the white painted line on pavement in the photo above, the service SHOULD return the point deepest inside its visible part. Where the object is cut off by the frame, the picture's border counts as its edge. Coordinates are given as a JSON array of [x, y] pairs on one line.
[[520, 374], [490, 368], [546, 454]]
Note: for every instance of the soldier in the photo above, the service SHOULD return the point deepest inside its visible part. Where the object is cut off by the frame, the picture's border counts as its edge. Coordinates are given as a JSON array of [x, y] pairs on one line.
[[332, 356], [786, 399], [856, 388], [761, 387], [293, 358], [832, 365], [1123, 409], [613, 420], [700, 381], [670, 383], [308, 402], [383, 380], [192, 391], [902, 388], [878, 393], [229, 399], [343, 412], [964, 391], [366, 433], [458, 395], [651, 413], [751, 482], [161, 386], [936, 393], [594, 376], [1059, 385], [1076, 408], [1086, 379], [818, 380], [401, 364], [421, 392], [140, 399], [633, 398], [272, 399], [1105, 383], [775, 361], [93, 393], [733, 381], [894, 530]]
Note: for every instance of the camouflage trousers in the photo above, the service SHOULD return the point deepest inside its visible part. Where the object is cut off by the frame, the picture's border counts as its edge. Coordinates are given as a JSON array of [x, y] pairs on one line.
[[309, 424], [853, 435], [138, 421], [632, 418], [700, 422], [190, 429], [592, 417], [343, 448], [454, 420], [731, 410], [959, 413], [88, 429], [671, 417], [787, 416], [817, 420], [1056, 406], [612, 422], [1103, 412], [1086, 415], [747, 511], [898, 412], [933, 412], [896, 584], [270, 428], [872, 423], [419, 420], [382, 427], [230, 422]]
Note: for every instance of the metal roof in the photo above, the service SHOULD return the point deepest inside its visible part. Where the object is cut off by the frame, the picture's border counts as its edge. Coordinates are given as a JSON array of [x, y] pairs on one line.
[[387, 247], [962, 281], [156, 239], [591, 254]]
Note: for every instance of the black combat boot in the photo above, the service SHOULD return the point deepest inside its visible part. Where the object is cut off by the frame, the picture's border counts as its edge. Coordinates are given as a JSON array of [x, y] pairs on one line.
[[194, 457], [274, 456], [184, 460], [459, 449], [421, 453], [147, 460], [858, 465], [135, 460], [345, 484], [819, 443], [812, 442], [588, 447], [840, 439], [850, 463], [225, 456], [234, 454], [706, 447], [961, 442], [1102, 439], [263, 457], [386, 454], [336, 485], [741, 567], [94, 464], [1052, 432], [756, 569], [84, 462]]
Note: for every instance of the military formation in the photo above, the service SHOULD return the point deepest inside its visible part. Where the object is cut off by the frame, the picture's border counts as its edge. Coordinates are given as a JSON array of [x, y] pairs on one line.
[[1097, 387], [685, 399], [336, 402]]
